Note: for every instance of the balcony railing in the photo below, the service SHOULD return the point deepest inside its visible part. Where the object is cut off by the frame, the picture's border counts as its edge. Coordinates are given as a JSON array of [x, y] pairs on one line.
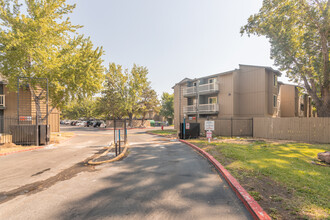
[[210, 87], [203, 89], [202, 108], [2, 101], [190, 91], [208, 108], [189, 109]]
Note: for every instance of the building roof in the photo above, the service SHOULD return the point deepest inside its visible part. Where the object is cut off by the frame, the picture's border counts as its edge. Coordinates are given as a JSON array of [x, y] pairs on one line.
[[228, 72], [266, 67]]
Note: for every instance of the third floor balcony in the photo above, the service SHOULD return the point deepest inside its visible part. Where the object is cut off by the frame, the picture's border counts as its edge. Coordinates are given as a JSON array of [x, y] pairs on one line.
[[209, 88]]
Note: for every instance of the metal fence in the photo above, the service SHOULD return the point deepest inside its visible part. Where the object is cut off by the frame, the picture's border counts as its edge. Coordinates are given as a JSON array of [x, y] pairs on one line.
[[229, 126], [119, 134], [23, 131]]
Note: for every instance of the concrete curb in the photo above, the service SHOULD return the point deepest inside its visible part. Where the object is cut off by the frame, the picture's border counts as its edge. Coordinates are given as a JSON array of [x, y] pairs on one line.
[[121, 155], [252, 206], [23, 150]]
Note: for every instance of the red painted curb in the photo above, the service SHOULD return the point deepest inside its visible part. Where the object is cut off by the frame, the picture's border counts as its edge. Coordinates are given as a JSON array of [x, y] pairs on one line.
[[252, 206], [35, 148]]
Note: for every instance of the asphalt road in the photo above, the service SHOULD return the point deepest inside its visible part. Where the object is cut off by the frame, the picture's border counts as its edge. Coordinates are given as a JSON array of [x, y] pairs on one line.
[[160, 179]]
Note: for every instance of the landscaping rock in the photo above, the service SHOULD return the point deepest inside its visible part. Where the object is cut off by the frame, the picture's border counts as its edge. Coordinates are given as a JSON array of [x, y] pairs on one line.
[[324, 156]]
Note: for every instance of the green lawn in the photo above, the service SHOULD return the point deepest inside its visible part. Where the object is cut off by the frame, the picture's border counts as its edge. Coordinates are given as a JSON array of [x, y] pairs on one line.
[[167, 132], [289, 165]]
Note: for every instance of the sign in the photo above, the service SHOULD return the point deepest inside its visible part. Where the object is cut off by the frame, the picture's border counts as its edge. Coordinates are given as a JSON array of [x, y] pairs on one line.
[[25, 118], [190, 118], [187, 126], [209, 134], [209, 126]]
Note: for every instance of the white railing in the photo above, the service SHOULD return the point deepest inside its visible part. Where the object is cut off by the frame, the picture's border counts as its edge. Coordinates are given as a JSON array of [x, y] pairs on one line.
[[210, 87], [204, 88], [189, 109], [189, 90], [208, 108], [201, 108], [2, 100]]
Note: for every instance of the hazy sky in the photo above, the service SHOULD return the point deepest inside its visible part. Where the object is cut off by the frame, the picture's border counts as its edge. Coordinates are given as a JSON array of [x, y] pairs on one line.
[[174, 39]]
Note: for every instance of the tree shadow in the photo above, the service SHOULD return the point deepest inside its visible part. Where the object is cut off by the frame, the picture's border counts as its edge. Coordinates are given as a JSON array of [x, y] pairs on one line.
[[167, 181]]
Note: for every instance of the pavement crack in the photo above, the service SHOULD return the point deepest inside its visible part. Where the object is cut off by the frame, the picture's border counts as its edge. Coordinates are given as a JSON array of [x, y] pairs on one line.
[[41, 172]]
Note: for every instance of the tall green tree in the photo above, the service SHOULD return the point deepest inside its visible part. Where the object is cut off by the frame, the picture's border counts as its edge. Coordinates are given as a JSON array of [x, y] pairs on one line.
[[123, 90], [149, 103], [38, 40], [298, 31], [167, 106], [83, 108]]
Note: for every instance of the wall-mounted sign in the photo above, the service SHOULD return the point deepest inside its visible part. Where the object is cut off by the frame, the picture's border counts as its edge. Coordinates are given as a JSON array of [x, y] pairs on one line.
[[209, 126], [25, 118]]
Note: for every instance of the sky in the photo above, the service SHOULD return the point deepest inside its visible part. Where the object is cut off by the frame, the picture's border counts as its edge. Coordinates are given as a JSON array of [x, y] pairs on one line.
[[174, 39]]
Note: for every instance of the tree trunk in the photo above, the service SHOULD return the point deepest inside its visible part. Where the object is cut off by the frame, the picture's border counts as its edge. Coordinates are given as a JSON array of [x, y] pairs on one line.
[[323, 110], [130, 116]]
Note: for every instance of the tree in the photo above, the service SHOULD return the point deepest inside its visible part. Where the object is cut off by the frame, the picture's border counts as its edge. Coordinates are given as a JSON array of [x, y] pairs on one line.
[[167, 108], [298, 31], [123, 91], [149, 103], [40, 43], [83, 108]]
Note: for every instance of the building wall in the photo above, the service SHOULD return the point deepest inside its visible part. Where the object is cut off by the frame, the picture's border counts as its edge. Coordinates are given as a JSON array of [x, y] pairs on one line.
[[11, 103], [288, 101], [225, 95], [27, 107], [252, 91]]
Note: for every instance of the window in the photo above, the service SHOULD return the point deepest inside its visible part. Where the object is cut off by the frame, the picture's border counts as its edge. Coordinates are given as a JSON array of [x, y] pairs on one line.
[[194, 84], [213, 80], [275, 101], [212, 100], [275, 80]]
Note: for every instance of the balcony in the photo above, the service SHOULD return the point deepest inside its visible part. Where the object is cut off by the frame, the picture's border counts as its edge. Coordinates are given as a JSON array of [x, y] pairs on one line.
[[208, 108], [190, 109], [203, 89], [208, 88], [202, 109], [2, 101], [190, 91]]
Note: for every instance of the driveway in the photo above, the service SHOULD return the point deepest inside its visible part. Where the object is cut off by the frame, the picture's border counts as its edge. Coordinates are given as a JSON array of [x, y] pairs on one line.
[[160, 179]]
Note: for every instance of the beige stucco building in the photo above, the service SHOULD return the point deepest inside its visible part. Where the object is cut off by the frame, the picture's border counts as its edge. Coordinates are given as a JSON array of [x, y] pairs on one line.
[[250, 91], [292, 103], [8, 106]]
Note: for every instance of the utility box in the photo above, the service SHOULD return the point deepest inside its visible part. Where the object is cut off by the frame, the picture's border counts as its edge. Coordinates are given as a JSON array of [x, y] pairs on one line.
[[27, 134], [193, 131]]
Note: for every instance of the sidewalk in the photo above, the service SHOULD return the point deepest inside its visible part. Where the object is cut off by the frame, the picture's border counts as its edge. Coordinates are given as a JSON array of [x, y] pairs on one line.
[[23, 168]]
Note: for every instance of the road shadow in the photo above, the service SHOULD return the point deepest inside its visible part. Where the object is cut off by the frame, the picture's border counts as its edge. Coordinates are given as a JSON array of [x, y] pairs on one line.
[[162, 181]]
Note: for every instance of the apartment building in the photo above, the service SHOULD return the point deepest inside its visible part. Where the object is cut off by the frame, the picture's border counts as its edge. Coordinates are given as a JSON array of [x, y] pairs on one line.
[[250, 91], [293, 103], [8, 106]]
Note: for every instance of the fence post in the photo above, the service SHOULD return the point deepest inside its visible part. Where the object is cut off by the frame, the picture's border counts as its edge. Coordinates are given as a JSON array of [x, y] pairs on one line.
[[114, 135], [119, 140]]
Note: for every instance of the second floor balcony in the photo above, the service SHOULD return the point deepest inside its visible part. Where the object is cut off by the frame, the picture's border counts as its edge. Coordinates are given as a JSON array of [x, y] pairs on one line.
[[203, 89], [202, 109]]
